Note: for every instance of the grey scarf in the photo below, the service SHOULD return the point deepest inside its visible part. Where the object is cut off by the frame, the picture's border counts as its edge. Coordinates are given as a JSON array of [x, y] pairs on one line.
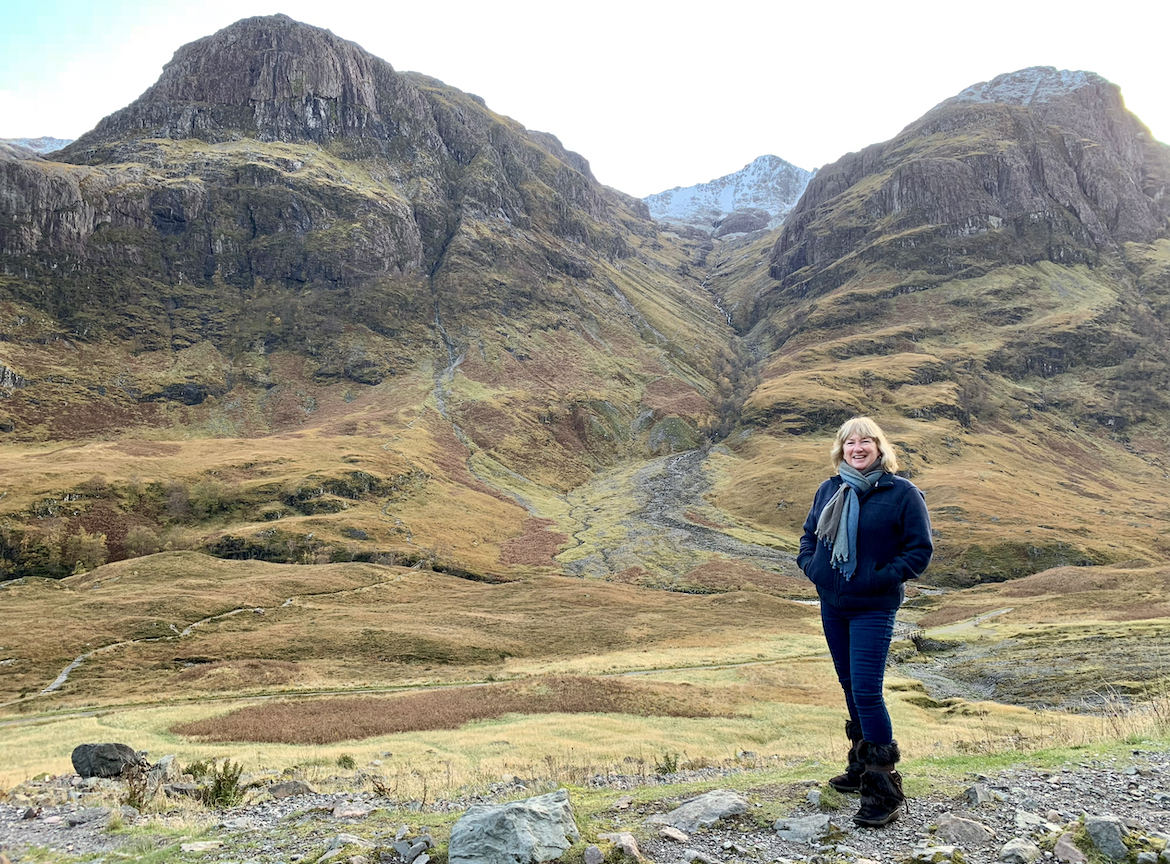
[[837, 524]]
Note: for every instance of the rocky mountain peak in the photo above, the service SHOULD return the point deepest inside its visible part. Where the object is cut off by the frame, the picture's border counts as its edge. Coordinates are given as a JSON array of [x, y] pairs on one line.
[[1047, 163], [761, 193], [1032, 86], [270, 78]]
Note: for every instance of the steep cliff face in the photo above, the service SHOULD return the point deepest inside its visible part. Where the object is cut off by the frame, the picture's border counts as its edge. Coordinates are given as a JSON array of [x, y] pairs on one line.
[[1035, 165]]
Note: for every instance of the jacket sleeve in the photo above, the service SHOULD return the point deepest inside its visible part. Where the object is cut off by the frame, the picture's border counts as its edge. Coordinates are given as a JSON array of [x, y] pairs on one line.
[[808, 540], [917, 546]]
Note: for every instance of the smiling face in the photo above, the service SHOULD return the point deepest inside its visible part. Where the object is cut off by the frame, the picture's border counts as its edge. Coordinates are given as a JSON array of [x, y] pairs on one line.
[[860, 452]]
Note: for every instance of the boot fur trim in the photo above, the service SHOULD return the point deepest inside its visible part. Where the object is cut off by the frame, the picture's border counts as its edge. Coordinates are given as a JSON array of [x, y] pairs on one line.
[[880, 754], [853, 731]]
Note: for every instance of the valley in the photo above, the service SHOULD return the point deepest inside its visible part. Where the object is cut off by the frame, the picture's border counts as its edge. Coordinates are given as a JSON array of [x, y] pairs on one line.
[[344, 420]]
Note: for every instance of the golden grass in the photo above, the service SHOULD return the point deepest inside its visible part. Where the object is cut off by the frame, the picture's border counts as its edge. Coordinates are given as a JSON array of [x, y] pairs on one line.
[[159, 620], [344, 719]]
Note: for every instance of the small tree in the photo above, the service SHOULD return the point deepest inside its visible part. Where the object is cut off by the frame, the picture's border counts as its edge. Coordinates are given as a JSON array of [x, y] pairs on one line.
[[84, 551]]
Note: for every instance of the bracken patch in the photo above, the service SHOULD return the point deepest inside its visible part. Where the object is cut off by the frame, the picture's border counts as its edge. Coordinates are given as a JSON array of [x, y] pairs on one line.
[[331, 720]]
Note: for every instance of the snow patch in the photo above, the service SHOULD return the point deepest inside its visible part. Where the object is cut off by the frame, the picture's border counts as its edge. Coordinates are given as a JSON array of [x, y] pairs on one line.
[[1035, 85]]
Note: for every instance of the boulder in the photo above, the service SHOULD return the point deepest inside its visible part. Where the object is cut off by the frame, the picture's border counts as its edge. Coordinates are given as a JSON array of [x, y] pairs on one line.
[[103, 760], [703, 811], [519, 832], [290, 788], [1019, 850], [1106, 833], [964, 832], [806, 829]]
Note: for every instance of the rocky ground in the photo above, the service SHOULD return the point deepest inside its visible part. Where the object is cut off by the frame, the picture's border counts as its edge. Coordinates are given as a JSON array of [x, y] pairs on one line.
[[1022, 810]]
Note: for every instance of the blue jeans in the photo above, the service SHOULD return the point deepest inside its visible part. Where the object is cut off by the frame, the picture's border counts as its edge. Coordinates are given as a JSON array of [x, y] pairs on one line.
[[859, 643]]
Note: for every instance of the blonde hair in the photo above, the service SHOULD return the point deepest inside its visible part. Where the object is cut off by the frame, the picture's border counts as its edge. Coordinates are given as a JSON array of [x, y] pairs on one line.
[[864, 427]]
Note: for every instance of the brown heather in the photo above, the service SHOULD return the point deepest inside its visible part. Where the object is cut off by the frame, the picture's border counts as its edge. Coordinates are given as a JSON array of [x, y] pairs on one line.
[[327, 721]]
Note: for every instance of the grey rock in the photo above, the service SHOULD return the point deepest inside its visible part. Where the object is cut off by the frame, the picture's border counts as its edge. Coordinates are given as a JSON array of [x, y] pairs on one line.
[[416, 851], [89, 814], [1147, 858], [980, 794], [103, 760], [805, 829], [814, 797], [1106, 832], [186, 790], [932, 854], [703, 811], [691, 855], [1019, 850], [1034, 825], [625, 841], [291, 788], [593, 854], [403, 830], [1067, 851], [1164, 858], [536, 829], [964, 832], [674, 834]]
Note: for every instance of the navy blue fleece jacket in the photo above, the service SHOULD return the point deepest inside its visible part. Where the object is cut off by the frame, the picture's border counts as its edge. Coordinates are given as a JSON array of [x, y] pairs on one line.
[[893, 545]]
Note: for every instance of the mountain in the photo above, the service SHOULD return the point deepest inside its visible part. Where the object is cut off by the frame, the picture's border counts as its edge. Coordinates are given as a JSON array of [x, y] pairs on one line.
[[994, 282], [284, 236], [43, 144], [757, 196], [292, 304]]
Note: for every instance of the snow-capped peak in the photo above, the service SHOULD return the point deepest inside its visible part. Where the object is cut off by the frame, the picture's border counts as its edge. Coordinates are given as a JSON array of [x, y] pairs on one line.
[[1035, 85], [767, 183]]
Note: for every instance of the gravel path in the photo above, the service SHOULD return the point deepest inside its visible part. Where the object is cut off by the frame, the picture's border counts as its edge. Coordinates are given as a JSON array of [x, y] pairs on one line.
[[1135, 789]]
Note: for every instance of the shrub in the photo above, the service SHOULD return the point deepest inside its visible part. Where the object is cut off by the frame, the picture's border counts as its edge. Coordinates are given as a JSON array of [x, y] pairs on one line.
[[346, 762], [141, 540], [84, 551]]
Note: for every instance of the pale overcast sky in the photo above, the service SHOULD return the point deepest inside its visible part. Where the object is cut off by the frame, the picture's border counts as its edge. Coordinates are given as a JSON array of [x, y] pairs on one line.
[[655, 94]]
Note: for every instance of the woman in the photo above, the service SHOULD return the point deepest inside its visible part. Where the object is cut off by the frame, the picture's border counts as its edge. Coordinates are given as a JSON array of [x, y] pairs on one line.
[[867, 532]]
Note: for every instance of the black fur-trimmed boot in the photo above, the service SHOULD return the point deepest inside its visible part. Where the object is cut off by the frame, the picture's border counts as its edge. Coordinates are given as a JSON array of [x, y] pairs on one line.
[[850, 781], [882, 798]]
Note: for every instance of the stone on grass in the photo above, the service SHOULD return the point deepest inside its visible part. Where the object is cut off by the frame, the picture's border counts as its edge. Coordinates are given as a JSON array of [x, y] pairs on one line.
[[803, 829], [103, 760], [624, 841], [1147, 858], [593, 854], [692, 855], [519, 832], [673, 834], [290, 789], [201, 846], [1019, 850], [1106, 832], [1066, 850], [703, 811], [965, 832]]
